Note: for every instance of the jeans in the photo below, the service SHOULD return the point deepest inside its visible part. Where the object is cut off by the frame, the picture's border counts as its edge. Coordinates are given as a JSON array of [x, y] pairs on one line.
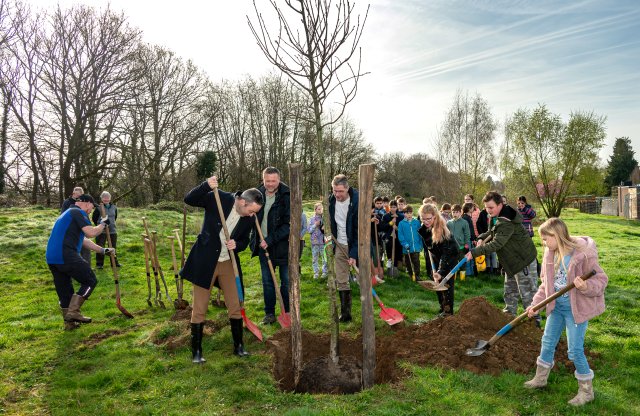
[[560, 318], [268, 287]]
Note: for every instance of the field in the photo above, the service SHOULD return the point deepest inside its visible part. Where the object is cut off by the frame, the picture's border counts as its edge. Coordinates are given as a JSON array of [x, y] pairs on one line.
[[142, 366]]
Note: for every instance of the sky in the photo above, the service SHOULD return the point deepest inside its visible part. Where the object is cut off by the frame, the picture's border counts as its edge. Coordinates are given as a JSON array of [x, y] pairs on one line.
[[569, 55]]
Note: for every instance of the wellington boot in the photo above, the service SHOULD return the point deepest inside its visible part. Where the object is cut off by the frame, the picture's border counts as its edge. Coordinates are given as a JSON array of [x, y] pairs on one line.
[[73, 313], [236, 333], [196, 343], [585, 393], [68, 325], [540, 379], [345, 305]]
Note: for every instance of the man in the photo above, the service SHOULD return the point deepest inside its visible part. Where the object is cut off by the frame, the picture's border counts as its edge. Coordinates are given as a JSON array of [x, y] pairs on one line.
[[209, 263], [343, 211], [77, 191], [112, 213], [274, 220], [516, 252], [65, 262]]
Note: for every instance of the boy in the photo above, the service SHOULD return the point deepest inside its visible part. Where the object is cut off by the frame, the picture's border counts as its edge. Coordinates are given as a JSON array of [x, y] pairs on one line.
[[411, 242], [389, 226], [445, 211], [460, 230], [467, 210], [385, 204], [402, 205]]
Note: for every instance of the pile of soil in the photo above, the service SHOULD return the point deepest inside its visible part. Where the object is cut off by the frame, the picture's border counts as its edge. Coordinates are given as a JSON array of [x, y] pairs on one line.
[[441, 342]]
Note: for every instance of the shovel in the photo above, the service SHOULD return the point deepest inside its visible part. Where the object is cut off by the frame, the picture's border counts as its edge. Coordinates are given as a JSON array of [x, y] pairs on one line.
[[442, 286], [389, 315], [178, 303], [393, 270], [284, 319], [114, 269], [482, 346], [146, 265], [250, 325]]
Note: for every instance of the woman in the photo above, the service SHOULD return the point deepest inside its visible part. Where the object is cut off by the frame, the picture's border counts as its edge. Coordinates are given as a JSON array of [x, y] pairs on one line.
[[444, 250], [566, 258]]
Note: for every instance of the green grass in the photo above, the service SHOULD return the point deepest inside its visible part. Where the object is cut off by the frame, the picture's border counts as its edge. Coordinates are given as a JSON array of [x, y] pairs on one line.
[[120, 366]]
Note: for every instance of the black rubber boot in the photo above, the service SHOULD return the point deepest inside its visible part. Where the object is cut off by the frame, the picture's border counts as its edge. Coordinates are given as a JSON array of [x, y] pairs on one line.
[[236, 333], [196, 343], [345, 305]]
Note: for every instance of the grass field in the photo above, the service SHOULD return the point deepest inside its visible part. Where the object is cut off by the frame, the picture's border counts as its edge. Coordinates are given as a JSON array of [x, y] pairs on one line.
[[120, 366]]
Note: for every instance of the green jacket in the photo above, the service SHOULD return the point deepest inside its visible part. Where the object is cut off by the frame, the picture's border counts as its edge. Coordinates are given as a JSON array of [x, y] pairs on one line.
[[460, 230], [510, 241]]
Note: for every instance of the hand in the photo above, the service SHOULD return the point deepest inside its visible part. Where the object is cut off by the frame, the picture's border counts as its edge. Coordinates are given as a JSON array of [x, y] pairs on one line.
[[317, 223], [374, 219], [107, 251], [213, 182], [351, 262], [530, 312], [580, 284], [105, 221], [466, 246], [231, 244], [469, 256], [437, 277], [264, 244], [479, 242]]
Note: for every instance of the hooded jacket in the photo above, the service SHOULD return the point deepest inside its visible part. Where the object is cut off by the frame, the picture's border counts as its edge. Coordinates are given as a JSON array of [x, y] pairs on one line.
[[510, 241], [584, 305], [408, 235]]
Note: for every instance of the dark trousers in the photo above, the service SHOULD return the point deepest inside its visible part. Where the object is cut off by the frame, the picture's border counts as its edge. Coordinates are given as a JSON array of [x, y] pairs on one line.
[[412, 261], [78, 270], [398, 253], [268, 288], [445, 298], [101, 240]]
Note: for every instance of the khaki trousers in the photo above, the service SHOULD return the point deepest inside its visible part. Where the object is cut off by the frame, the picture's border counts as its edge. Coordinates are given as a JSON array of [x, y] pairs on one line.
[[341, 264], [226, 280]]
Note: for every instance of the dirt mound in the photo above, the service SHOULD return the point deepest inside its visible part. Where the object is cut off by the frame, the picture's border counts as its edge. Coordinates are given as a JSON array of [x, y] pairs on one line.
[[441, 342]]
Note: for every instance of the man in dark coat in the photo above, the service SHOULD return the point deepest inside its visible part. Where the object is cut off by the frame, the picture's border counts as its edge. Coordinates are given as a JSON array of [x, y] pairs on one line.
[[209, 262], [515, 249], [66, 204], [274, 219], [343, 211]]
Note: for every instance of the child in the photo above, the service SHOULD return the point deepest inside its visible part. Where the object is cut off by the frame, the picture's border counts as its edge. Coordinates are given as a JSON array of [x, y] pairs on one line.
[[445, 211], [389, 226], [527, 214], [378, 208], [467, 209], [566, 258], [316, 230], [402, 205], [459, 229], [411, 242], [444, 250], [385, 204]]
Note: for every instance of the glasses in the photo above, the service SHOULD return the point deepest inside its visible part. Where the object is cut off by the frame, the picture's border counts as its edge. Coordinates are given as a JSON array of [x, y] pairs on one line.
[[427, 219]]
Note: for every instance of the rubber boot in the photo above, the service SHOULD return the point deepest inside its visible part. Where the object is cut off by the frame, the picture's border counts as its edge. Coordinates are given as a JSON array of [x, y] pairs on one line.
[[68, 325], [196, 343], [540, 379], [236, 333], [73, 313], [585, 393], [345, 305]]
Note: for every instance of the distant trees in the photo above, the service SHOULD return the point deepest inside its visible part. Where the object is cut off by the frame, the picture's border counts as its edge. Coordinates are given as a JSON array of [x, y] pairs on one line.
[[621, 163], [547, 153]]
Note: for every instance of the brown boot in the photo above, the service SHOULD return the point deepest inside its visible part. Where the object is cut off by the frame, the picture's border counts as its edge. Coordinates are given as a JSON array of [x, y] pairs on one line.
[[540, 379], [585, 393], [74, 314], [68, 325]]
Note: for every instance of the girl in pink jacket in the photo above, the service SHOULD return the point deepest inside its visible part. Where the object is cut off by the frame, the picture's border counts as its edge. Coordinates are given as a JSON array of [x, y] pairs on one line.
[[566, 258]]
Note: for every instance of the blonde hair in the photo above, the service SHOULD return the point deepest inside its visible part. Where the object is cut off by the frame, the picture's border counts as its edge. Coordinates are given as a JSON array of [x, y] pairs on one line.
[[556, 228], [439, 230], [317, 204]]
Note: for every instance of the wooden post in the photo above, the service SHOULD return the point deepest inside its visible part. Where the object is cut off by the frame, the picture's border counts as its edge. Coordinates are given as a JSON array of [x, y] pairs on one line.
[[364, 277], [295, 180]]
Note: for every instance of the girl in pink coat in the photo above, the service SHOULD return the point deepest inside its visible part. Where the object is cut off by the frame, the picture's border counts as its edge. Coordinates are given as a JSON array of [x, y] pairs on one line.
[[566, 258]]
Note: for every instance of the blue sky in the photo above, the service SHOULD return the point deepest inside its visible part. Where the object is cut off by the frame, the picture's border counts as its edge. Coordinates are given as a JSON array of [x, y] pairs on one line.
[[571, 56]]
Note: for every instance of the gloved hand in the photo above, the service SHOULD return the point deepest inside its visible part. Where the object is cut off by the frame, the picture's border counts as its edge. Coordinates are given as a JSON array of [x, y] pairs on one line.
[[105, 221], [107, 251]]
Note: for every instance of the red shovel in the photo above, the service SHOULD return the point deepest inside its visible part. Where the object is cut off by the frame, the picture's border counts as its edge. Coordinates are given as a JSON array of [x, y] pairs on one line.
[[284, 319], [250, 325], [389, 315]]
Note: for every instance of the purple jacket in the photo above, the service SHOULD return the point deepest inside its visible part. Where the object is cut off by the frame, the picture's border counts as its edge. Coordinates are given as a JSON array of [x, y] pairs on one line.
[[317, 233], [584, 305]]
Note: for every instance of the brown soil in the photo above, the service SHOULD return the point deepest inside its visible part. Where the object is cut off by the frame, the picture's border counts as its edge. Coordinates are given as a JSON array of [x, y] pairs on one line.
[[441, 342]]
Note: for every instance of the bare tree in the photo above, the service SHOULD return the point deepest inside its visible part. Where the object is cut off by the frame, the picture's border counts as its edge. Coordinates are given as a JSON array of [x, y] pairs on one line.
[[314, 46]]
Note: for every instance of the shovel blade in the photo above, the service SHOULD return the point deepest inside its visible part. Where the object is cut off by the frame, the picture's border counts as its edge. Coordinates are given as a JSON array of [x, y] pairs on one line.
[[124, 311], [285, 320], [253, 328], [431, 285], [391, 316], [473, 352]]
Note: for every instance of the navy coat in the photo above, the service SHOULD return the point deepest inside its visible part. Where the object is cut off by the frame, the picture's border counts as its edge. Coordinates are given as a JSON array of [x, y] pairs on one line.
[[278, 226]]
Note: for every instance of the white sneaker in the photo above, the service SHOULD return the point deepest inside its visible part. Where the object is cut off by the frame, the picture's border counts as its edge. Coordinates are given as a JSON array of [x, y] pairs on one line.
[[388, 264], [315, 276], [379, 280]]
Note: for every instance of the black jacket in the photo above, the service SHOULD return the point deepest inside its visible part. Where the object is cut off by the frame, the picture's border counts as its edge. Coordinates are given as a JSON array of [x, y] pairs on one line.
[[469, 221], [278, 225], [483, 222], [445, 253], [352, 221], [203, 257], [67, 203]]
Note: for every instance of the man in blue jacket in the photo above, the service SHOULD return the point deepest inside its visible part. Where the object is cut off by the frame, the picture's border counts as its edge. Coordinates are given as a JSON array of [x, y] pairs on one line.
[[274, 219], [343, 211]]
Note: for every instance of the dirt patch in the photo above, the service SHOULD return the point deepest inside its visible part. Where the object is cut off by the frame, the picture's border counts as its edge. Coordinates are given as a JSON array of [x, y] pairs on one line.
[[181, 314], [96, 339], [180, 336], [441, 342]]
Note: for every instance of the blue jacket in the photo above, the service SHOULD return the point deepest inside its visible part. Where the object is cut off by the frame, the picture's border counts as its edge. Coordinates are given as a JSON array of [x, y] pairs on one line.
[[408, 235], [352, 221]]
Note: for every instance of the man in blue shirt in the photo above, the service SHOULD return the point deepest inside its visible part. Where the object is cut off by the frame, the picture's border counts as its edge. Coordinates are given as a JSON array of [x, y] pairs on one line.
[[65, 262]]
